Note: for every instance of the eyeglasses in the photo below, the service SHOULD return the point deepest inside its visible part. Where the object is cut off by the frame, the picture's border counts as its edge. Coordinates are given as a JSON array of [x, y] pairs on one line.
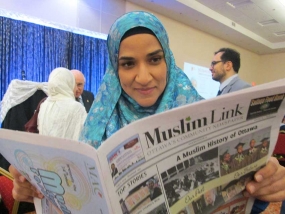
[[213, 63]]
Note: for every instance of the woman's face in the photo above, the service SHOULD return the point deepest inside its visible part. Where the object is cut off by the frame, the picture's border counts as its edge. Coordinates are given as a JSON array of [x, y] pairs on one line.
[[142, 68]]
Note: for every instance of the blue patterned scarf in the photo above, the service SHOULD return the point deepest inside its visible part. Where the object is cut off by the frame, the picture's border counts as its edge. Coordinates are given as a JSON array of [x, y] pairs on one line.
[[113, 108]]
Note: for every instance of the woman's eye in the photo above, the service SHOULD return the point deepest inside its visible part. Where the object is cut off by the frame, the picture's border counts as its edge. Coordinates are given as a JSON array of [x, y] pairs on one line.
[[156, 59], [127, 64]]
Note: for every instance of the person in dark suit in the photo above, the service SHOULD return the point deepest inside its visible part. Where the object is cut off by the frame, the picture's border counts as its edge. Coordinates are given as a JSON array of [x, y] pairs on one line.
[[264, 147], [252, 152], [225, 163], [86, 98], [224, 68], [239, 159], [114, 170], [153, 190]]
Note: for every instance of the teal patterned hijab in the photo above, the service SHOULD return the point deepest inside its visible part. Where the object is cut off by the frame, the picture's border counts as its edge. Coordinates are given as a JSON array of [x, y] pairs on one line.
[[113, 108]]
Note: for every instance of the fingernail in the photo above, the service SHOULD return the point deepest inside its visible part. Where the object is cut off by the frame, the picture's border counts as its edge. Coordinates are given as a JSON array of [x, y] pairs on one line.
[[251, 189], [259, 178]]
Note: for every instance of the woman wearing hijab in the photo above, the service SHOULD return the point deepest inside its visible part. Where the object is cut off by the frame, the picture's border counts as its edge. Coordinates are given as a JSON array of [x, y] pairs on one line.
[[60, 115], [142, 79]]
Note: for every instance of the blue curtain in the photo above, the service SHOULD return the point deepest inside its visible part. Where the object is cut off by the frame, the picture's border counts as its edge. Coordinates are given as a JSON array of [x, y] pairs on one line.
[[32, 51]]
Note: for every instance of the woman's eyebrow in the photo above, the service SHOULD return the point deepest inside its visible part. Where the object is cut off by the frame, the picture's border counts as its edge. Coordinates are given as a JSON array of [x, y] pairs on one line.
[[126, 58], [148, 55], [155, 52]]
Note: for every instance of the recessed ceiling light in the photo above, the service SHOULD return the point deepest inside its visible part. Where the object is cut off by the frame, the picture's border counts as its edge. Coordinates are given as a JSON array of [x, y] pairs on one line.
[[230, 4], [238, 3], [280, 33], [268, 22]]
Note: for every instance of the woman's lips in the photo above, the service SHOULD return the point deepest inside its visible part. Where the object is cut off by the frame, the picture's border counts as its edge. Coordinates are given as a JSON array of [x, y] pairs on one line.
[[145, 91]]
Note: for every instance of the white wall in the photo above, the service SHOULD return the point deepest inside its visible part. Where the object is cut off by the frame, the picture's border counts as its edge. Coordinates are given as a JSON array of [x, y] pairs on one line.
[[272, 67]]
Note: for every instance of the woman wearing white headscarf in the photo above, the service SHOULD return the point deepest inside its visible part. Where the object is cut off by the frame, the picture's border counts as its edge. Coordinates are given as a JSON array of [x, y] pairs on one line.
[[60, 115]]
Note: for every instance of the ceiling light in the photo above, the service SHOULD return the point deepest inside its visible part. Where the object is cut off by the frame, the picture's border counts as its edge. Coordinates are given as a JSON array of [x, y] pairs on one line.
[[268, 22], [228, 3], [280, 33], [238, 3]]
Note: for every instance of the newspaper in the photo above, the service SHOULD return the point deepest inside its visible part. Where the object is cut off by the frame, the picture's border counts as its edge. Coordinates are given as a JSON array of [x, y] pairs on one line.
[[195, 158]]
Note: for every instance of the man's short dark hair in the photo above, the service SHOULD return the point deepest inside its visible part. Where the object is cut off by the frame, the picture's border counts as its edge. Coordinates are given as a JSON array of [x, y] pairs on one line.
[[230, 55]]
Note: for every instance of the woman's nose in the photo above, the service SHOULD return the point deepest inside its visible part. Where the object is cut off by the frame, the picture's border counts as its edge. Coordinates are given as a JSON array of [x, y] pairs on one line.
[[143, 75]]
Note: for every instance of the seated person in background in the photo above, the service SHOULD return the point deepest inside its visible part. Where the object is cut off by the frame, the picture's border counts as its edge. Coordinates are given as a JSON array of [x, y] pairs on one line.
[[60, 115], [142, 79]]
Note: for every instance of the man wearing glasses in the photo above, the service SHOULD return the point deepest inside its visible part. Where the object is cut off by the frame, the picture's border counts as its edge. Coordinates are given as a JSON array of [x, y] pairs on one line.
[[224, 68]]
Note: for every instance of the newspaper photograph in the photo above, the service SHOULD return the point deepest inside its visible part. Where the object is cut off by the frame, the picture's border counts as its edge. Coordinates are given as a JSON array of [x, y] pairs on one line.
[[125, 157], [184, 182], [188, 174], [142, 194]]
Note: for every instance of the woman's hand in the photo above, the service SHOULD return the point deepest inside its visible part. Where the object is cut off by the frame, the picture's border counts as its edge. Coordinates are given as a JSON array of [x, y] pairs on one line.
[[269, 183], [23, 190]]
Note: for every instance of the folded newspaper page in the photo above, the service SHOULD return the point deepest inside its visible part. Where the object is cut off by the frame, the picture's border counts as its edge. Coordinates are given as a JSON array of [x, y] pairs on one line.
[[193, 159], [65, 171]]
